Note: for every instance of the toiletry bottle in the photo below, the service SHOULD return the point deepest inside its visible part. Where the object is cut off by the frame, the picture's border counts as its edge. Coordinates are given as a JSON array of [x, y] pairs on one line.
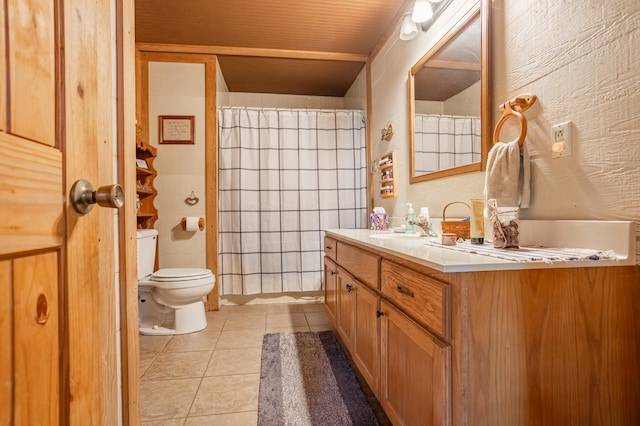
[[424, 219], [477, 221], [410, 219]]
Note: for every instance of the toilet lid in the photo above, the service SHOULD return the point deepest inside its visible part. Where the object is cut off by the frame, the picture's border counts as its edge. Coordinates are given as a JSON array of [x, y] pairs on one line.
[[180, 274]]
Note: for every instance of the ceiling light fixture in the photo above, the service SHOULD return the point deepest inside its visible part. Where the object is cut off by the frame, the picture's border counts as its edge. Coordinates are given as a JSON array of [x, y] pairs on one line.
[[422, 15], [422, 11], [408, 29]]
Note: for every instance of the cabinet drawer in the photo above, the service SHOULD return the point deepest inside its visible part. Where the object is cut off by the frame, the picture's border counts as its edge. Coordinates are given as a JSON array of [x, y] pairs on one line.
[[361, 264], [425, 299], [330, 247]]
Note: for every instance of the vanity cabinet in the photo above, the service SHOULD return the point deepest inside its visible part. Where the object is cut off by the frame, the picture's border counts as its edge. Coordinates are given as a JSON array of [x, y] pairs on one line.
[[509, 346], [398, 349]]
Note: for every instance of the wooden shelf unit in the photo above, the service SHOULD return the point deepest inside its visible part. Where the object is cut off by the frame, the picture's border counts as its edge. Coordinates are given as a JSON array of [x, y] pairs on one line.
[[387, 171], [147, 214]]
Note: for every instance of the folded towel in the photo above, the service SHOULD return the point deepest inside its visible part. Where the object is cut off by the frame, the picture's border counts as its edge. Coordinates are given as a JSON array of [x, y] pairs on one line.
[[508, 175]]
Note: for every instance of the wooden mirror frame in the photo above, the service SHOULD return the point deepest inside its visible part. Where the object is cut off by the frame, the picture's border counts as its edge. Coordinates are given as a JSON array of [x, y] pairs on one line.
[[483, 10]]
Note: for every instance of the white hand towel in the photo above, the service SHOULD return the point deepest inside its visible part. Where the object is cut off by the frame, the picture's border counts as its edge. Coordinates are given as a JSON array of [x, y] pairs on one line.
[[508, 175]]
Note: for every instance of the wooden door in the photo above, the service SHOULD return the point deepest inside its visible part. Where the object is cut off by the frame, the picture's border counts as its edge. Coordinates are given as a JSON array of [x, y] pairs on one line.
[[415, 372], [57, 273], [331, 289], [366, 334], [345, 315]]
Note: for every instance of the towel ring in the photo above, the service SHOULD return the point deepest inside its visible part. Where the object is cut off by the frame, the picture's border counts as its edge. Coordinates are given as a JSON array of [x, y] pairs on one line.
[[507, 114], [514, 108]]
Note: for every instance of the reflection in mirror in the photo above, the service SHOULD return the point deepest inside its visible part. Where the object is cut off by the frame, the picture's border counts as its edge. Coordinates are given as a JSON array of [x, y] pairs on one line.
[[449, 121]]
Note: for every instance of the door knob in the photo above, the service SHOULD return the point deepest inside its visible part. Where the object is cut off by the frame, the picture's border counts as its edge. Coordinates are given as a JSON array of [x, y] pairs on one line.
[[83, 196]]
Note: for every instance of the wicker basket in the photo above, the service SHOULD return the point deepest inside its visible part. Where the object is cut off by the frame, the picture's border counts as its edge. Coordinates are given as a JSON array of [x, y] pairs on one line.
[[460, 228]]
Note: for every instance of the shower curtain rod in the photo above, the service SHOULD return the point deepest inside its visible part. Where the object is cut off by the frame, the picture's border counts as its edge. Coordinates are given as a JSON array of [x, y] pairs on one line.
[[447, 116], [289, 109]]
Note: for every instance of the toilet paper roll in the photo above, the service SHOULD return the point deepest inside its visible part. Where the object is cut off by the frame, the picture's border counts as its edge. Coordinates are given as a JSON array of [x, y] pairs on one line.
[[192, 223]]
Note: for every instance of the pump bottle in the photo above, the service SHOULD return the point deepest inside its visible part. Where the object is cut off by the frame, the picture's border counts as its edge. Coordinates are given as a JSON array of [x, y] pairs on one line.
[[410, 219]]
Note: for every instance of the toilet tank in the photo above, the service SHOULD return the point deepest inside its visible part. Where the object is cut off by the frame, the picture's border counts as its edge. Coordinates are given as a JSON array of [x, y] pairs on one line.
[[147, 239]]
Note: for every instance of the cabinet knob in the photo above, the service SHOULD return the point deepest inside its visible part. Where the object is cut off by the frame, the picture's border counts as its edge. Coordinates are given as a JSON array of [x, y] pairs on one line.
[[333, 272], [379, 314], [349, 288]]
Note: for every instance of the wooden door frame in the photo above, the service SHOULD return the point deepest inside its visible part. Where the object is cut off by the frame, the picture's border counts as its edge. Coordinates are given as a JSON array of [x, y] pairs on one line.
[[143, 57], [127, 223]]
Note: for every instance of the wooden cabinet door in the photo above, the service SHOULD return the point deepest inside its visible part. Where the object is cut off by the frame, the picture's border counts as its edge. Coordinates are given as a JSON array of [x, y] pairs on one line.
[[346, 319], [414, 372], [331, 289], [366, 340], [55, 122]]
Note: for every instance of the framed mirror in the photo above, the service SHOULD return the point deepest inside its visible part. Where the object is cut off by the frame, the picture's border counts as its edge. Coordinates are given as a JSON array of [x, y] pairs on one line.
[[449, 111]]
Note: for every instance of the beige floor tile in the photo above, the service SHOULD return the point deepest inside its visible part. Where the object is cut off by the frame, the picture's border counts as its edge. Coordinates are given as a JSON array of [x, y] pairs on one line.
[[178, 365], [145, 362], [165, 422], [167, 399], [201, 341], [319, 317], [247, 309], [284, 308], [249, 322], [153, 344], [222, 311], [288, 329], [321, 327], [226, 394], [225, 362], [247, 418], [313, 307], [289, 320], [215, 322], [238, 339]]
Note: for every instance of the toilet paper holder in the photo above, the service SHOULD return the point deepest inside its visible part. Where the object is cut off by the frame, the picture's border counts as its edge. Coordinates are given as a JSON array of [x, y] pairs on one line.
[[183, 224]]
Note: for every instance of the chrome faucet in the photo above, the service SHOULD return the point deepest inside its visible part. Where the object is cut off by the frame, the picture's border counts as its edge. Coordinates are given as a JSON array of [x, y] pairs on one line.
[[424, 226]]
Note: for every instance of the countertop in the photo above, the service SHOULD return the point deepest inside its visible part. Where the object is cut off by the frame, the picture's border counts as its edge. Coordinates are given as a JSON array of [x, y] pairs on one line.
[[429, 252]]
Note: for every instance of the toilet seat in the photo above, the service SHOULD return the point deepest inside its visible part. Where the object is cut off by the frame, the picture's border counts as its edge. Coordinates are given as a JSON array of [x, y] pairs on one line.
[[178, 278], [180, 274]]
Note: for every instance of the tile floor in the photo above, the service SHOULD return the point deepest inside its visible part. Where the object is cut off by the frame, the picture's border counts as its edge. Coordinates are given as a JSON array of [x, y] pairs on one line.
[[213, 376]]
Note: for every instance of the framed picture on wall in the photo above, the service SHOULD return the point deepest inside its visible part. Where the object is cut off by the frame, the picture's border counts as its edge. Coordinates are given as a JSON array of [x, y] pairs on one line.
[[176, 129]]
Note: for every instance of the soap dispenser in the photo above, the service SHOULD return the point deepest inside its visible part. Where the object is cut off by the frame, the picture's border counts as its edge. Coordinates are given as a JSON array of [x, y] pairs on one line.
[[410, 219]]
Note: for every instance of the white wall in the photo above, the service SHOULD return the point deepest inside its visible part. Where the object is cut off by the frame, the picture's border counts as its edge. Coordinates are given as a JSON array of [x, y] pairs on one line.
[[389, 72], [582, 60], [178, 89]]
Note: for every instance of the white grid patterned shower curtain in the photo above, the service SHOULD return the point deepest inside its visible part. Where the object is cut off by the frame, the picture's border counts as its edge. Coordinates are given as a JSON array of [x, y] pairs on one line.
[[284, 176], [445, 141]]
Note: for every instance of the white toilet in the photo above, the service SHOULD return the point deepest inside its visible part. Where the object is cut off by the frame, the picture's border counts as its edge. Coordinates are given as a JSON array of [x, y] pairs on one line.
[[169, 300]]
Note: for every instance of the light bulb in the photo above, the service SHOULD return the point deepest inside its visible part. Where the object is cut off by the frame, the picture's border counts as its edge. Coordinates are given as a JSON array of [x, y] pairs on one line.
[[408, 29], [422, 11]]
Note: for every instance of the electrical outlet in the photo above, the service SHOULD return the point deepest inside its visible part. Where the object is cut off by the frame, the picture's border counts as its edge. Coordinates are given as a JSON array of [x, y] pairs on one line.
[[561, 140]]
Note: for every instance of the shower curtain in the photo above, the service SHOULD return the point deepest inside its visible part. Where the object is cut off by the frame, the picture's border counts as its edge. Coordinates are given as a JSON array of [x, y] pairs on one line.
[[445, 141], [284, 177]]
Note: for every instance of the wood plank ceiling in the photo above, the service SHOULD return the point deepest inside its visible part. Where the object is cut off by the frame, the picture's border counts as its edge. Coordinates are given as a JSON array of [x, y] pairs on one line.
[[299, 47]]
